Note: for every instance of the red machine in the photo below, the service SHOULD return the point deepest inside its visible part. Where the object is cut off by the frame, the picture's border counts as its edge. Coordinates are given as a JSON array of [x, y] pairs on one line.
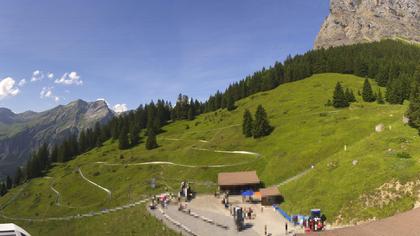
[[315, 222]]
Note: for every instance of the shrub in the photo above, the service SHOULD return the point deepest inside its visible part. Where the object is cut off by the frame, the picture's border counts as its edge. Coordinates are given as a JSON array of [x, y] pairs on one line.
[[329, 103], [403, 155]]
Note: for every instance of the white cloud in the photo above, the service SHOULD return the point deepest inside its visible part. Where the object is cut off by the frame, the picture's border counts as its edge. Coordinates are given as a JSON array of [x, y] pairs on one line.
[[50, 75], [119, 108], [47, 92], [22, 82], [69, 79], [37, 75], [8, 88]]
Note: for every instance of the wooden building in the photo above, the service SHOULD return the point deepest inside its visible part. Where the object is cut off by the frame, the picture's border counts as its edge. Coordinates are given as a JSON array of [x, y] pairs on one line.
[[270, 196], [235, 182]]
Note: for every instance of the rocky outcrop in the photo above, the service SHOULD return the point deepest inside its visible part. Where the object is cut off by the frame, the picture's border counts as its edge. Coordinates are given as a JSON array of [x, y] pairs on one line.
[[22, 133], [357, 21]]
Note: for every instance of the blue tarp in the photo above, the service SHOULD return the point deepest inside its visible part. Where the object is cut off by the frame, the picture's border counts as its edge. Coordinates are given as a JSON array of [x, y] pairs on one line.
[[247, 193], [283, 213]]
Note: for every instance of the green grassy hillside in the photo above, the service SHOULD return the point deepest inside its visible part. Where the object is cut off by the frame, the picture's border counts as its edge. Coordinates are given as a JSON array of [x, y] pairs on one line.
[[306, 133]]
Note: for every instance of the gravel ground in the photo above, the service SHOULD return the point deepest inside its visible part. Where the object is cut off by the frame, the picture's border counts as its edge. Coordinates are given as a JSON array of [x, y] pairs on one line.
[[211, 208], [406, 224]]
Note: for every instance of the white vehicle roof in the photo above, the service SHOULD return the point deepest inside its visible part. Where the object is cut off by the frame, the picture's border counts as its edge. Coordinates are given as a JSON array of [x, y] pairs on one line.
[[7, 228]]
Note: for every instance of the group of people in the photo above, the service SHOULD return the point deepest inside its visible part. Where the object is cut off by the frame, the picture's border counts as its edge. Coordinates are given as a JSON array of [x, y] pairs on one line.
[[314, 223], [163, 200], [225, 200], [248, 213], [185, 191]]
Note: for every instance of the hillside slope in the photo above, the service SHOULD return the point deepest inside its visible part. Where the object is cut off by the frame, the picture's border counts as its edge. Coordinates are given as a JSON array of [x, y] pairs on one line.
[[306, 134]]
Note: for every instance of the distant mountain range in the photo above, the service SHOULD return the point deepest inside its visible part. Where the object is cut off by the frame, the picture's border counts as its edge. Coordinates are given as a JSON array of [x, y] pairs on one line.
[[22, 133], [358, 21]]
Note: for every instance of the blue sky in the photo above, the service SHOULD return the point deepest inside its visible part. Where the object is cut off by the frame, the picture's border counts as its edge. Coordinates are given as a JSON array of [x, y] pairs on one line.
[[130, 52]]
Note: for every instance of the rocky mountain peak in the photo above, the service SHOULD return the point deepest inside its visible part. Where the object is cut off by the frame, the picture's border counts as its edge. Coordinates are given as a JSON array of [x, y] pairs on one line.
[[356, 21], [77, 103], [4, 110], [6, 115], [26, 131]]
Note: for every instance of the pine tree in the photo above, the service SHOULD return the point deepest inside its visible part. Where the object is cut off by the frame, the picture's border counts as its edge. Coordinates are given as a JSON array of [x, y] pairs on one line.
[[349, 95], [28, 169], [339, 98], [9, 182], [97, 135], [367, 93], [190, 115], [115, 131], [134, 135], [413, 112], [262, 126], [395, 92], [379, 97], [18, 176], [151, 140], [74, 146], [43, 157], [34, 166], [247, 124], [64, 152], [352, 97], [83, 146], [54, 154], [123, 139], [3, 189], [230, 103]]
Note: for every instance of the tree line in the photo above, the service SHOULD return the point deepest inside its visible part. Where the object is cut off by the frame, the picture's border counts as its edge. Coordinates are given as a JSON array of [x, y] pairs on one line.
[[390, 63], [342, 98], [413, 112]]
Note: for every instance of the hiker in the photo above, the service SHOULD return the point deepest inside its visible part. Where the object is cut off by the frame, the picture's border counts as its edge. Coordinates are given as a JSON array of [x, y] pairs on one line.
[[285, 227], [186, 194], [250, 213], [265, 229]]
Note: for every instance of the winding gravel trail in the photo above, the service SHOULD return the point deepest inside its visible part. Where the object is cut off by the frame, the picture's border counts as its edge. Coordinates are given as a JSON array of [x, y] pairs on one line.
[[173, 164], [293, 178], [57, 199], [257, 155], [229, 152], [95, 184]]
